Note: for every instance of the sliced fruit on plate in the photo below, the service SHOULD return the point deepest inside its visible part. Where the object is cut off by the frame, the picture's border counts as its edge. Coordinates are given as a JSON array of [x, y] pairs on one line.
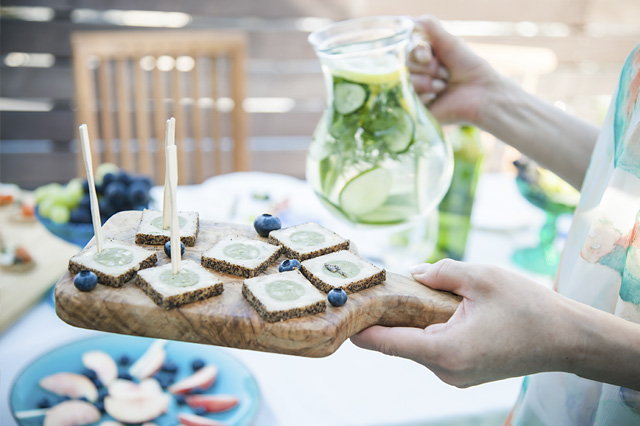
[[150, 362], [212, 403], [70, 384], [72, 413], [137, 405], [103, 365], [188, 419], [126, 389], [202, 379], [366, 192]]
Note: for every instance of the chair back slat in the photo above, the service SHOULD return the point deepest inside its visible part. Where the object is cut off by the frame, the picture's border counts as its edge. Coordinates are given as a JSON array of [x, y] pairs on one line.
[[197, 121], [216, 129], [133, 92], [105, 109], [124, 117], [142, 118]]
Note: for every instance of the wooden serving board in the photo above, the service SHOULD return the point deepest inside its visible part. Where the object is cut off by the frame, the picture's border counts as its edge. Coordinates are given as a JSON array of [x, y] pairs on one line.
[[229, 320]]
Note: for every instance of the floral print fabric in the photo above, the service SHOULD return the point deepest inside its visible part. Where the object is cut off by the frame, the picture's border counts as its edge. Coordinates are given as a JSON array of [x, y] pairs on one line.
[[600, 267]]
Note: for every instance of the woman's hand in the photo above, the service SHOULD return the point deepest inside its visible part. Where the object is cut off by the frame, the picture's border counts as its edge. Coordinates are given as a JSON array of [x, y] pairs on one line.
[[448, 76], [505, 326]]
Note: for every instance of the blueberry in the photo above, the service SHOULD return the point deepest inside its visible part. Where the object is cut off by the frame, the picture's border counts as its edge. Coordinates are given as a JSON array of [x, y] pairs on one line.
[[64, 398], [85, 201], [337, 297], [170, 367], [44, 402], [289, 265], [100, 406], [266, 223], [84, 399], [197, 364], [181, 400], [124, 360], [85, 280], [196, 391], [89, 374], [167, 248], [125, 376], [98, 383], [165, 380], [199, 410], [106, 209]]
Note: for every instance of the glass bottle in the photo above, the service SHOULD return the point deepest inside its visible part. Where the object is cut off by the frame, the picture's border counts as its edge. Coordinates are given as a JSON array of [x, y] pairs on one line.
[[377, 156], [454, 211]]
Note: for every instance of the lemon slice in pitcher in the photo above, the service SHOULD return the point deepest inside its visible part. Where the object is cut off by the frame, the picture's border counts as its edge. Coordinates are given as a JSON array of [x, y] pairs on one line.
[[366, 192], [376, 70]]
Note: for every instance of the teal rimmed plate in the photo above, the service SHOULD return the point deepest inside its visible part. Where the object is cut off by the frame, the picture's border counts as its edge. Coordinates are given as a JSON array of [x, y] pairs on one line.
[[233, 377]]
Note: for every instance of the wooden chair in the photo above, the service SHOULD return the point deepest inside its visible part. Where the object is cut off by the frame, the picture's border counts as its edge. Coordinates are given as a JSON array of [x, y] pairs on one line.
[[129, 82]]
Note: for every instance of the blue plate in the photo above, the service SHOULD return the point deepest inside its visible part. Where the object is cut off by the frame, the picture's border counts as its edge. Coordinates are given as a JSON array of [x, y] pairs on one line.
[[233, 377]]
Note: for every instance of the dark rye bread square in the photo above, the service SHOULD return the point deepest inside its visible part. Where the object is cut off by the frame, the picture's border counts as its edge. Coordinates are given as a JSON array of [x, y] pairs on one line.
[[168, 296], [149, 234], [113, 276], [308, 300], [307, 240], [342, 269], [255, 256]]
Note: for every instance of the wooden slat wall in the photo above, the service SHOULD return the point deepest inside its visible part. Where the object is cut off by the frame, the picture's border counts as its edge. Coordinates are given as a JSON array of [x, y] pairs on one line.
[[281, 63]]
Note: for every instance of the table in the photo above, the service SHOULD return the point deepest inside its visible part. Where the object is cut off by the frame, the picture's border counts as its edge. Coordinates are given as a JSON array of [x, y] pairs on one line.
[[352, 386]]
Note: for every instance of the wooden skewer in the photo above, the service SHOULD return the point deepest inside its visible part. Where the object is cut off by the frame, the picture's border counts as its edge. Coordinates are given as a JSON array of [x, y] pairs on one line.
[[95, 208], [169, 140], [172, 161]]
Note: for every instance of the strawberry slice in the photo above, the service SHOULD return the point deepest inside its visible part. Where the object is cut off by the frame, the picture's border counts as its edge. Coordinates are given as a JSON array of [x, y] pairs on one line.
[[188, 419], [212, 403], [202, 379]]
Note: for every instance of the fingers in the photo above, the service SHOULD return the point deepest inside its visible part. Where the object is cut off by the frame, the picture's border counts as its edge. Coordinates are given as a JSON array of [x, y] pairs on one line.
[[404, 342], [440, 40], [446, 274], [426, 84]]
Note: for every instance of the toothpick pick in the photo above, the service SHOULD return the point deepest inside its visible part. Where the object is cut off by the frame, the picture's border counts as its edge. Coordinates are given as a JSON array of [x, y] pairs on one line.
[[172, 157], [169, 140], [95, 209]]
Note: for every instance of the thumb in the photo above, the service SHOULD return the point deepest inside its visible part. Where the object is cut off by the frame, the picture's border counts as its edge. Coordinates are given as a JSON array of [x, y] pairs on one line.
[[446, 274], [405, 342]]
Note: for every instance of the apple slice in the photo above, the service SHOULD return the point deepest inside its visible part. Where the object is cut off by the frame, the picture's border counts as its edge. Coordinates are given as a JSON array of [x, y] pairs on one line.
[[70, 384], [102, 363], [150, 362], [212, 403], [188, 419], [72, 413], [137, 410], [202, 379]]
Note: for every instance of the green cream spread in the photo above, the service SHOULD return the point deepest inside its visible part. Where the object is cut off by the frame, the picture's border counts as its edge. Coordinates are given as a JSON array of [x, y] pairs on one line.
[[157, 222], [241, 251], [307, 238], [341, 269], [284, 290], [184, 278], [113, 256]]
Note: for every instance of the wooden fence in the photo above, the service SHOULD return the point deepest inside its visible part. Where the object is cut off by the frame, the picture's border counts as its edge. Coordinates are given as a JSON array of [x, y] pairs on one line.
[[589, 38]]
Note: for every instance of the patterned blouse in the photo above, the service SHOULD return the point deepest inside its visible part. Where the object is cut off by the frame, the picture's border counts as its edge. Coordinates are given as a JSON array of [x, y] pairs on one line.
[[600, 267]]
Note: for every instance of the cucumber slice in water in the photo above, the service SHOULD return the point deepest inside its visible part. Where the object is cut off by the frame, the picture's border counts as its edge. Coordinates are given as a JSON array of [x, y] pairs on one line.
[[349, 97], [366, 192], [399, 136]]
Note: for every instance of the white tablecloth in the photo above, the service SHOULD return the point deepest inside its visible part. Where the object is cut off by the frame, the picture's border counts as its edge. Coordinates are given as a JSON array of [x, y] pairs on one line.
[[352, 386]]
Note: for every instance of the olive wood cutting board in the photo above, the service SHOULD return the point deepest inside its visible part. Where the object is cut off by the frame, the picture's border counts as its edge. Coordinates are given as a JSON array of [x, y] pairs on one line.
[[229, 320]]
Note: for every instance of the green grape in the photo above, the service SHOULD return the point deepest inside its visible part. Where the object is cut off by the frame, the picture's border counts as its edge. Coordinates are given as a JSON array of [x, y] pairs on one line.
[[44, 191], [59, 214], [45, 206]]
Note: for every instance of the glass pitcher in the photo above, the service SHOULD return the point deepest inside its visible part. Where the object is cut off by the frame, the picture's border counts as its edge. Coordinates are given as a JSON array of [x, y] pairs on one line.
[[377, 156]]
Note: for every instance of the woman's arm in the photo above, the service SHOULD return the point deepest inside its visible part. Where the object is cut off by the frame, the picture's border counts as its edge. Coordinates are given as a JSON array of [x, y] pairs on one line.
[[510, 326], [459, 86]]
